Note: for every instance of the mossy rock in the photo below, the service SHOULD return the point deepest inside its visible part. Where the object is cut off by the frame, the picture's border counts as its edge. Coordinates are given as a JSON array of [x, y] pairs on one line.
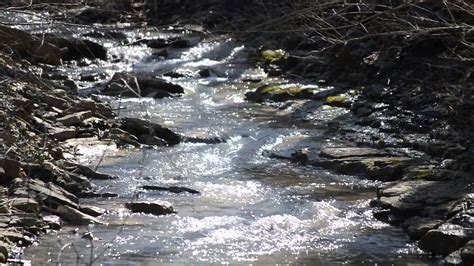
[[338, 101], [273, 56], [279, 93]]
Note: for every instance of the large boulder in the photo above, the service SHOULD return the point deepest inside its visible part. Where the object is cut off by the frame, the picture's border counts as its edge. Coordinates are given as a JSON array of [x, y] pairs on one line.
[[140, 85], [156, 207]]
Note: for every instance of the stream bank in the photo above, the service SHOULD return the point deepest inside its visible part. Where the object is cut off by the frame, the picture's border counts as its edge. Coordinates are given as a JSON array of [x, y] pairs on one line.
[[358, 130]]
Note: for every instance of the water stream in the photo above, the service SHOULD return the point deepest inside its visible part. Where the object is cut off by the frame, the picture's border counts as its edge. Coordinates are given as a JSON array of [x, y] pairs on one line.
[[252, 209]]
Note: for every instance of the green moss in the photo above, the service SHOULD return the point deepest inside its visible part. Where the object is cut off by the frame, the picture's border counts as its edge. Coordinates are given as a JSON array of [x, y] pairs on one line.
[[272, 56], [394, 161], [336, 99], [294, 90]]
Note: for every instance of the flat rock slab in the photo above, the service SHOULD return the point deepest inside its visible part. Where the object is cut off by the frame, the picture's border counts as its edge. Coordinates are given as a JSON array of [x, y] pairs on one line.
[[74, 216], [155, 207], [52, 194], [340, 153], [25, 204], [384, 168], [410, 196]]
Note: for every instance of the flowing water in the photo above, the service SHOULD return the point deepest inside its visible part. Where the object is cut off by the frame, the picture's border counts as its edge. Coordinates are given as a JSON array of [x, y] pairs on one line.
[[252, 209]]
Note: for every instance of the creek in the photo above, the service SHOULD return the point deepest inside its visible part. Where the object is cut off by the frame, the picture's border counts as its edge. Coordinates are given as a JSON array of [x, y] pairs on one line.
[[251, 209]]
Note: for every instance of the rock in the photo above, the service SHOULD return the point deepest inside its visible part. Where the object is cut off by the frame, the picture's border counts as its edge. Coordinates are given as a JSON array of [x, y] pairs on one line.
[[279, 93], [27, 45], [202, 137], [338, 101], [156, 207], [25, 204], [140, 85], [92, 210], [409, 197], [74, 216], [77, 49], [417, 227], [340, 153], [175, 42], [52, 195], [172, 189], [453, 259], [145, 131], [4, 251], [467, 253], [273, 56], [10, 167], [89, 173], [16, 237], [92, 194], [74, 119], [63, 134], [446, 239], [53, 221], [374, 168]]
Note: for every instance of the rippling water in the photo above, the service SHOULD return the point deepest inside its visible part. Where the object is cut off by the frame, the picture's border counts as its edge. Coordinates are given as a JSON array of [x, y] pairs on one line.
[[251, 210]]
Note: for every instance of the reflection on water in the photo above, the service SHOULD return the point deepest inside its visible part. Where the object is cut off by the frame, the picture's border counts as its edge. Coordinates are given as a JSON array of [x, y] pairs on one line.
[[251, 209]]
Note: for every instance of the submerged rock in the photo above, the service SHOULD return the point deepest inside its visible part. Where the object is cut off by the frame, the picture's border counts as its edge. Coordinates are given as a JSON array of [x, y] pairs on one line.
[[172, 189], [140, 85], [156, 207]]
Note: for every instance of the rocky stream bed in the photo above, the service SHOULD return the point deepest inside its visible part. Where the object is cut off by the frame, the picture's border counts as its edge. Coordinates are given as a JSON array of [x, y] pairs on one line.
[[91, 119]]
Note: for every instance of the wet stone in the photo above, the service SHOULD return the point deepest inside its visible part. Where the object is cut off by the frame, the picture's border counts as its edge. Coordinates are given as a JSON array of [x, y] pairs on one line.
[[92, 210], [446, 239], [172, 189], [156, 207], [417, 227], [140, 85], [340, 153], [74, 216]]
